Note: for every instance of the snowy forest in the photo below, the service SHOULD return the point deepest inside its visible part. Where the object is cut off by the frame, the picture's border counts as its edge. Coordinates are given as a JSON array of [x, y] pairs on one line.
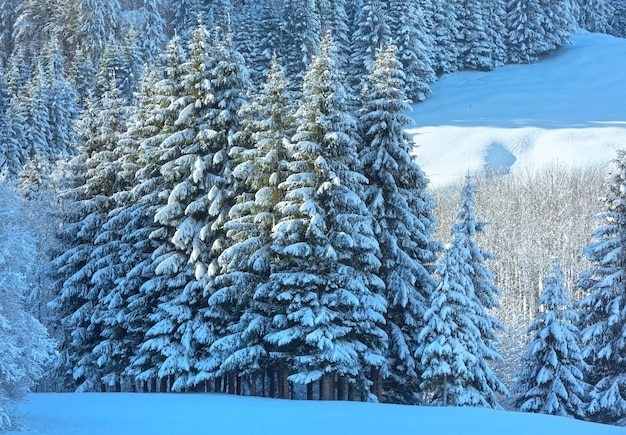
[[220, 196]]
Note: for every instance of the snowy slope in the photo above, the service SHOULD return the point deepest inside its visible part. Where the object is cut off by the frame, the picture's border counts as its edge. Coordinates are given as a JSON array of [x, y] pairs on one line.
[[570, 107], [136, 414]]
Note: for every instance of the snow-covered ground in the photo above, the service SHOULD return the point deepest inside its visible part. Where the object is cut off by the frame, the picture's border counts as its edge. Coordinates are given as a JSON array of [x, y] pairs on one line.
[[570, 107], [216, 414]]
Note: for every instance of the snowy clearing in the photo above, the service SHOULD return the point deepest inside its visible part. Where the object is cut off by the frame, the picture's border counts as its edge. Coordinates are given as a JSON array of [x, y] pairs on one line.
[[131, 413], [570, 107]]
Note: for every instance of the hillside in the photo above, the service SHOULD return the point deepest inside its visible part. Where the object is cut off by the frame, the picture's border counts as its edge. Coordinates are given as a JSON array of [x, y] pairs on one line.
[[570, 107]]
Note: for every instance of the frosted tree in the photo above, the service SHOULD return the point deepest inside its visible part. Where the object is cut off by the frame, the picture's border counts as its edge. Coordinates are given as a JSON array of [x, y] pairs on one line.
[[442, 26], [300, 33], [482, 36], [269, 39], [557, 23], [327, 308], [25, 347], [9, 10], [551, 378], [595, 15], [268, 123], [459, 338], [409, 34], [334, 19], [152, 28], [618, 21], [60, 101], [184, 17], [96, 22], [199, 170], [603, 313], [37, 128], [404, 222], [371, 31], [13, 154], [525, 31], [88, 195], [162, 140]]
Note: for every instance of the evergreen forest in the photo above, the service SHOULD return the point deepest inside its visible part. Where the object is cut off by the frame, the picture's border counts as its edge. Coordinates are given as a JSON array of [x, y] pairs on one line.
[[220, 196]]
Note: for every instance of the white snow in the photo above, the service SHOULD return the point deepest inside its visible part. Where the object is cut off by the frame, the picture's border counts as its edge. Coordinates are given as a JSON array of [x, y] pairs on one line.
[[216, 414], [570, 108]]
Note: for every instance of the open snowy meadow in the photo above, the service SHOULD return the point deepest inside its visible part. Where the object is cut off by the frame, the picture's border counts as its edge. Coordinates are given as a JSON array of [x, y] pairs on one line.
[[570, 107], [128, 413]]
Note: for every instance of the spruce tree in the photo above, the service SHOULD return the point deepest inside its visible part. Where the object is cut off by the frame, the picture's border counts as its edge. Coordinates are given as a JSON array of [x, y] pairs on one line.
[[595, 15], [327, 308], [603, 313], [371, 32], [551, 378], [83, 272], [300, 34], [457, 357], [404, 223], [268, 121], [409, 34]]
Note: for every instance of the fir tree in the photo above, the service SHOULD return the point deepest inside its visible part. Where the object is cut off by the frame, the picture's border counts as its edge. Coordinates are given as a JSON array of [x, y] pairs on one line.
[[82, 271], [371, 32], [408, 29], [595, 15], [404, 222], [268, 123], [525, 33], [300, 33], [551, 378], [459, 339], [603, 316], [327, 309], [96, 22]]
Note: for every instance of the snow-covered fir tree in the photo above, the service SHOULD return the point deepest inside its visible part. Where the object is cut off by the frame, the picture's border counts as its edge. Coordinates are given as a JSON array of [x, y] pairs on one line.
[[458, 342], [90, 185], [162, 141], [326, 296], [371, 31], [300, 34], [404, 222], [442, 25], [595, 15], [96, 24], [482, 35], [268, 121], [603, 309], [407, 26], [525, 31], [551, 378]]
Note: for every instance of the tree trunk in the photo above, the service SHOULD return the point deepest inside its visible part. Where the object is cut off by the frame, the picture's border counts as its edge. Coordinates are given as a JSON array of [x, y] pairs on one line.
[[341, 388], [326, 387], [253, 385], [283, 383], [217, 384], [153, 385], [377, 384], [309, 391], [231, 383], [270, 373], [445, 390]]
